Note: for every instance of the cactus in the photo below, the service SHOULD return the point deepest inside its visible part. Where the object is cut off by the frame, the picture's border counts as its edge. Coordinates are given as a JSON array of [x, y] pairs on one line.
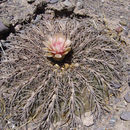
[[56, 72]]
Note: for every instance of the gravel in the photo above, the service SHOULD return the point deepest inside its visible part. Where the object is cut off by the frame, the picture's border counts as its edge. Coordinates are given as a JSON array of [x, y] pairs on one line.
[[125, 116], [127, 97], [52, 1]]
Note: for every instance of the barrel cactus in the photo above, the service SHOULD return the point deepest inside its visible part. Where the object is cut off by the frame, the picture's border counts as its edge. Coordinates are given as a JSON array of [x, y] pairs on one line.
[[56, 71]]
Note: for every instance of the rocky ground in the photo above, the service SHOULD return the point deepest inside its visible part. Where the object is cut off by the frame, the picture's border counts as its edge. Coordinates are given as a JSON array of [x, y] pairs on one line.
[[111, 15]]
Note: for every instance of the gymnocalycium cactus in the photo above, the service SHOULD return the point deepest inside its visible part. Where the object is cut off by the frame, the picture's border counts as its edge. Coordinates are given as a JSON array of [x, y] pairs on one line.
[[87, 69]]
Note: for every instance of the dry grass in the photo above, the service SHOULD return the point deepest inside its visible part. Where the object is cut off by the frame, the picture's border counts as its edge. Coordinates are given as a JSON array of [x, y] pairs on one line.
[[52, 94]]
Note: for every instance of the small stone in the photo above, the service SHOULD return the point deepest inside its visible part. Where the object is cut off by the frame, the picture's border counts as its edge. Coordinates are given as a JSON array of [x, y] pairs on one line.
[[102, 1], [127, 97], [52, 1], [87, 119], [76, 64], [115, 85], [121, 17], [62, 69], [67, 66], [119, 29], [68, 5], [81, 12], [79, 5], [125, 116], [30, 1], [123, 22], [122, 104], [112, 121]]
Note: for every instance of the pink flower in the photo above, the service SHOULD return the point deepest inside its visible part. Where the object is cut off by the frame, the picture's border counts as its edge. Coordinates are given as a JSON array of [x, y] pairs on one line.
[[57, 46]]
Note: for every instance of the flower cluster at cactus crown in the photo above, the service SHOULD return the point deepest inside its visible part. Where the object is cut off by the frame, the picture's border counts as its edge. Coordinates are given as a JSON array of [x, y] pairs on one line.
[[57, 46]]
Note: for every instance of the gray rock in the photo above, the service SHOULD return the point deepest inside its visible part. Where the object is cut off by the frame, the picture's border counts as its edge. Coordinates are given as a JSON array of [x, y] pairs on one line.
[[88, 119], [123, 22], [115, 85], [52, 1], [3, 28], [127, 97], [68, 5], [112, 121], [125, 116], [79, 4]]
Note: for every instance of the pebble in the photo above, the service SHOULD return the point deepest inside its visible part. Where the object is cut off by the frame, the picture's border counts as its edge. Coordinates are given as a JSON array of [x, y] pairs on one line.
[[76, 64], [79, 10], [66, 66], [68, 5], [52, 1], [112, 121], [123, 22], [119, 29], [115, 85], [122, 104], [79, 4], [127, 97], [88, 119], [125, 116], [102, 1]]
